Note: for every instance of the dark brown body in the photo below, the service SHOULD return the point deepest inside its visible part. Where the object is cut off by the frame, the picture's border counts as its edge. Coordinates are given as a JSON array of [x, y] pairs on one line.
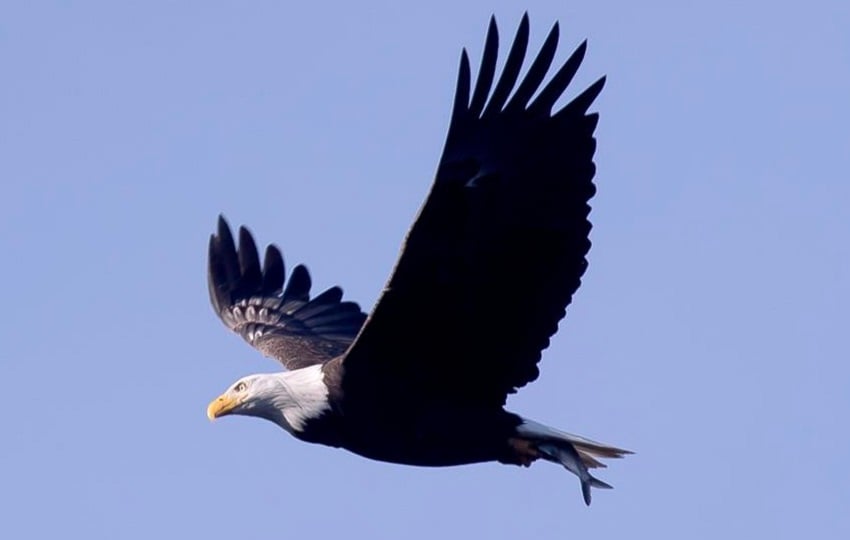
[[413, 431], [430, 439]]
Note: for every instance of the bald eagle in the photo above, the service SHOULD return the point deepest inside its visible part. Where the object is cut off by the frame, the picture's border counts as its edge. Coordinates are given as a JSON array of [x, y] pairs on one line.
[[484, 276]]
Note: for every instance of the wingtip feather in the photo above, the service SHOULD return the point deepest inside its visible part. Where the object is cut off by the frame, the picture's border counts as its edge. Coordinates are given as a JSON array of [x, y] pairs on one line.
[[464, 79], [510, 71], [487, 69]]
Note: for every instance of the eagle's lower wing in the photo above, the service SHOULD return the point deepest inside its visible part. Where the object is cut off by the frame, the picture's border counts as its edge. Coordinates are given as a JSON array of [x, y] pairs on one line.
[[499, 247], [284, 324]]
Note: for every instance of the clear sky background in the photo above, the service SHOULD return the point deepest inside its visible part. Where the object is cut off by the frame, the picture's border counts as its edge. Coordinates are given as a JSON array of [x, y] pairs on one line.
[[710, 334]]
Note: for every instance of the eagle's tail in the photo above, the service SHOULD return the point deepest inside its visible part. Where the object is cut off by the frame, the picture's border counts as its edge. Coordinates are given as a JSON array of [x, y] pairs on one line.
[[576, 453]]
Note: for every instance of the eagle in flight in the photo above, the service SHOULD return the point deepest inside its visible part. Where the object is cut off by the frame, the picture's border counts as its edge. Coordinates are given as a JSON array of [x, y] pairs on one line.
[[484, 276]]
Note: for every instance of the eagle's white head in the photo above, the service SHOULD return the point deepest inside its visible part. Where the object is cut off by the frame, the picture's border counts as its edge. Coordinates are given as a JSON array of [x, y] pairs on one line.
[[289, 399]]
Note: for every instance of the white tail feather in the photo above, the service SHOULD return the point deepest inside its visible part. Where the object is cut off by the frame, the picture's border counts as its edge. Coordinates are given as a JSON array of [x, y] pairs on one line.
[[574, 452]]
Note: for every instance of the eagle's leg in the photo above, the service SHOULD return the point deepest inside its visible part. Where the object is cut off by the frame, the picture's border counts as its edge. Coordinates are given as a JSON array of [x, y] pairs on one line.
[[523, 451]]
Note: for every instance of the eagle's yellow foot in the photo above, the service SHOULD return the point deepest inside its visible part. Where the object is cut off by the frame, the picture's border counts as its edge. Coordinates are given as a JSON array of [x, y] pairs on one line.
[[524, 451]]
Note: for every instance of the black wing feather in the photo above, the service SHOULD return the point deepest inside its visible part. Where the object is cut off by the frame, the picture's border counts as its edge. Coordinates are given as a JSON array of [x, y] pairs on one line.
[[512, 66], [536, 72], [282, 323], [249, 259], [488, 69], [499, 247], [550, 94], [274, 271]]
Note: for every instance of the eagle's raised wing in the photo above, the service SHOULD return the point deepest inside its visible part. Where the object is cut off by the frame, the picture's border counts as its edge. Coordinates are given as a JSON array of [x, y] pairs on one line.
[[499, 247], [284, 324]]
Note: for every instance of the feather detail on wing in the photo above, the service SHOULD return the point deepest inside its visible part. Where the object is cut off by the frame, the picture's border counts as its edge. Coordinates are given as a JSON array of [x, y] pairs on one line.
[[282, 323]]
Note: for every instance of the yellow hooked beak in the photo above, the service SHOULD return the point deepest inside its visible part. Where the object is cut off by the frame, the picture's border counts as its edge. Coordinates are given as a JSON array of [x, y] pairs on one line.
[[221, 406]]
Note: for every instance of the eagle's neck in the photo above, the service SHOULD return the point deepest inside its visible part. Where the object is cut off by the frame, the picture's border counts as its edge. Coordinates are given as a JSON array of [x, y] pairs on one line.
[[303, 397]]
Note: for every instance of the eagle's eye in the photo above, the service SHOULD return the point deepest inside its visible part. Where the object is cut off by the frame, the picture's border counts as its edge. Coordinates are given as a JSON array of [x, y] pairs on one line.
[[240, 387]]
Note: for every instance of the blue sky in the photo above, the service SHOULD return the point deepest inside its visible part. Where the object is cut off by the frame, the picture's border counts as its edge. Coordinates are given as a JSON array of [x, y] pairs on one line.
[[710, 333]]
